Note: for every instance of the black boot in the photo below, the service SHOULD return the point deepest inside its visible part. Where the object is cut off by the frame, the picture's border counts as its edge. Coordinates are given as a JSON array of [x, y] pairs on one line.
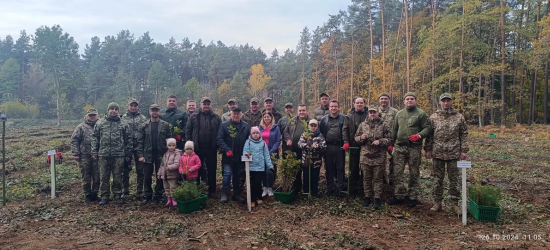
[[366, 202], [412, 203], [145, 201], [119, 201], [237, 196], [93, 197], [377, 204], [104, 202], [225, 194], [394, 201]]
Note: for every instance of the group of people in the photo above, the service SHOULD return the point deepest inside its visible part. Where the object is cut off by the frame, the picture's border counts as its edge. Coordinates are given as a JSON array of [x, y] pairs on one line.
[[175, 144]]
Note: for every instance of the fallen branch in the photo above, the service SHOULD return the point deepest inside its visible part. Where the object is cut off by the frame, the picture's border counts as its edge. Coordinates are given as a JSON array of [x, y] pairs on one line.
[[197, 238]]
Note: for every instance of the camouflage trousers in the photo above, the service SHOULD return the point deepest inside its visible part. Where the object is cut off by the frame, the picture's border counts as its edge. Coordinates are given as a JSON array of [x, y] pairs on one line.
[[139, 176], [90, 175], [372, 180], [439, 174], [108, 166], [403, 155]]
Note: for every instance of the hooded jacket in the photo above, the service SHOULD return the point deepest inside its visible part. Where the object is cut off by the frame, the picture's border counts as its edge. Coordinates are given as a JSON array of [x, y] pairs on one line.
[[81, 139], [259, 152], [112, 138], [449, 134], [189, 165], [375, 129], [171, 160]]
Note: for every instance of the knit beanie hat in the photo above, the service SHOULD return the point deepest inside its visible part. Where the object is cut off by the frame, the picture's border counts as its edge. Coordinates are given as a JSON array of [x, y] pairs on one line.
[[189, 144], [410, 94], [254, 129], [112, 105], [170, 141], [385, 94]]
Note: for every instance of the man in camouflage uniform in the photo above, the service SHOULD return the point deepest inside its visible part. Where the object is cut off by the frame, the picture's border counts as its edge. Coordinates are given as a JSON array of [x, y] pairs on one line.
[[230, 104], [374, 136], [152, 136], [324, 108], [446, 145], [410, 127], [387, 114], [81, 142], [253, 116], [351, 123], [112, 145], [134, 119]]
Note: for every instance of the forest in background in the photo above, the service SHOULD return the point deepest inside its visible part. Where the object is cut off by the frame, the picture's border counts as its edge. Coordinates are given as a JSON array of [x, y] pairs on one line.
[[492, 55]]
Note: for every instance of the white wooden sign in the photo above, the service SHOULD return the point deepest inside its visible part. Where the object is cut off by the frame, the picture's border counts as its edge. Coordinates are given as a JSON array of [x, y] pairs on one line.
[[246, 158], [52, 171], [464, 164]]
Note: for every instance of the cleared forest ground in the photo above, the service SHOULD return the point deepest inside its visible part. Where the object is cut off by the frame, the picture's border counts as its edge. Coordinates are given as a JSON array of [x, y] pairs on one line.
[[517, 161]]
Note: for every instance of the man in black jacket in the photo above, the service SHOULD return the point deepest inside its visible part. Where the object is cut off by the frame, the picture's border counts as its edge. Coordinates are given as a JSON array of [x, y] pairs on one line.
[[177, 118], [202, 129], [331, 128], [231, 138], [351, 123]]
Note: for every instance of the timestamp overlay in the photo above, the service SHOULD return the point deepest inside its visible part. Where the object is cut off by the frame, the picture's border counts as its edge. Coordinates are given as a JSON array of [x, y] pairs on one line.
[[513, 237]]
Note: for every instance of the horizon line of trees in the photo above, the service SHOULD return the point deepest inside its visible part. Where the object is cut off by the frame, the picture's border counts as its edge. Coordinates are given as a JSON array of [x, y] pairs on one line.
[[492, 55]]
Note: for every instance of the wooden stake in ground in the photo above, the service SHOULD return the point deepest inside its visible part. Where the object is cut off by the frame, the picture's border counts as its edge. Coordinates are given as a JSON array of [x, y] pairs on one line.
[[51, 153], [247, 160], [464, 165]]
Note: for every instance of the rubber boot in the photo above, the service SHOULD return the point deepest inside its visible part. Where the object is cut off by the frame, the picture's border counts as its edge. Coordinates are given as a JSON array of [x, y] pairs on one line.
[[224, 195], [169, 202], [377, 204], [366, 202], [264, 193], [174, 203], [237, 196]]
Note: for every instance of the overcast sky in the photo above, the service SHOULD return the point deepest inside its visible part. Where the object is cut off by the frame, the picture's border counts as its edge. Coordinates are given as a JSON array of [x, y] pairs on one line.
[[267, 24]]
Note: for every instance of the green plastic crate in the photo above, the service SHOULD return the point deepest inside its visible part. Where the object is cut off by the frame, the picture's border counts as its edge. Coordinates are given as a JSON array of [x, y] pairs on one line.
[[492, 135], [187, 207], [284, 198], [483, 213]]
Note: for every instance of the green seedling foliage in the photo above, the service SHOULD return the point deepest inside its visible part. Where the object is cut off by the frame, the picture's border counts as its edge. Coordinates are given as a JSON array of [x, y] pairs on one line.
[[485, 195], [187, 191]]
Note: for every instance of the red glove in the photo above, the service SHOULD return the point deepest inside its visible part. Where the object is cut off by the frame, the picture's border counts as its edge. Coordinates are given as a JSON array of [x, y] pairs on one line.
[[414, 137], [178, 138], [229, 153], [248, 155], [346, 146], [390, 149]]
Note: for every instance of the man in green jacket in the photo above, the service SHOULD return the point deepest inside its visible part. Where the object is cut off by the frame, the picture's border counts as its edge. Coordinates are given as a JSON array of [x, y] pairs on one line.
[[134, 119], [202, 129], [111, 145], [410, 127], [150, 150], [177, 118]]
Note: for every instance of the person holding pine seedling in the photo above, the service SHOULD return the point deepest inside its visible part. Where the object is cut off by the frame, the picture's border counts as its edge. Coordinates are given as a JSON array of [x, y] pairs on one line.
[[373, 135], [168, 171], [256, 148], [313, 146]]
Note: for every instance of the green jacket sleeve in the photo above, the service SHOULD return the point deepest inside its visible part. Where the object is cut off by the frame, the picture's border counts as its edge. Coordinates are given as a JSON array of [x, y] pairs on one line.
[[425, 126], [128, 141], [140, 140], [95, 139]]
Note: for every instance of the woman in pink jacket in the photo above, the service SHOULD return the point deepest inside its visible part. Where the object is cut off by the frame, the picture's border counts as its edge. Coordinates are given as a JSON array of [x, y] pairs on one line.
[[190, 163], [168, 171]]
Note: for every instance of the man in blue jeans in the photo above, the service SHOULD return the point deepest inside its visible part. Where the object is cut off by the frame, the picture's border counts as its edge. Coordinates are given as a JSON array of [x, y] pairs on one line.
[[231, 137]]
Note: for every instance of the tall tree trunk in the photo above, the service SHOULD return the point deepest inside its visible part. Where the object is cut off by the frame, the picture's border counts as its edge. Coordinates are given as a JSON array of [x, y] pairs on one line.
[[533, 95], [383, 42], [303, 79], [546, 92], [392, 103], [521, 96], [480, 102], [432, 61], [337, 73], [461, 68], [371, 52], [408, 45], [502, 64], [352, 67]]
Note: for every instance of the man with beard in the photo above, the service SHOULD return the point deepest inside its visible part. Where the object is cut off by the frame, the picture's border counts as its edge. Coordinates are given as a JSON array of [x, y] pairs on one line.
[[230, 104], [253, 116]]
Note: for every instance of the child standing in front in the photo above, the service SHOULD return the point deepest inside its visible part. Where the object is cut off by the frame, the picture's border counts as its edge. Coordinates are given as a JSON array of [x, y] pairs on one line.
[[168, 171], [190, 163], [313, 146], [256, 148]]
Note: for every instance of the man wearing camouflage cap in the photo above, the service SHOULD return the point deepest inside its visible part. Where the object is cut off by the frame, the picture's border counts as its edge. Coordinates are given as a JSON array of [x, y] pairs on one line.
[[202, 129], [283, 122], [446, 145], [410, 127], [253, 116], [152, 136], [81, 142], [230, 104], [387, 114], [268, 107], [111, 145], [134, 119], [374, 137]]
